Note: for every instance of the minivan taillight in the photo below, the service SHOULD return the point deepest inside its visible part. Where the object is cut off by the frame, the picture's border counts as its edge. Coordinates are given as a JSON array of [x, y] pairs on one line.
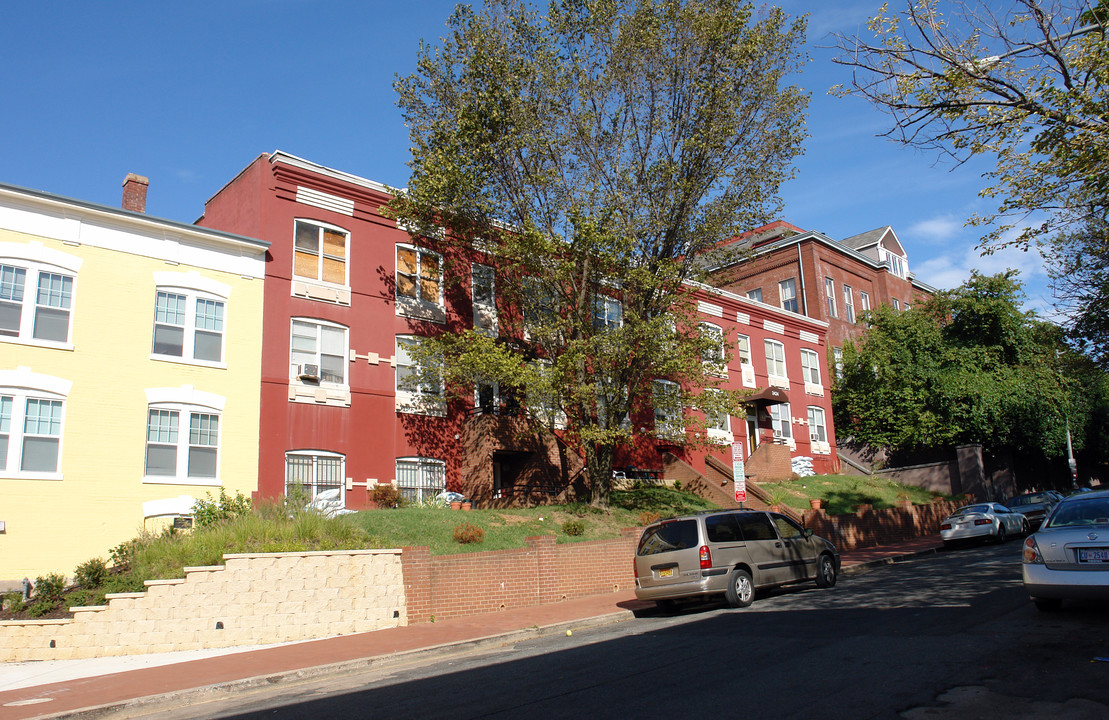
[[706, 557], [635, 569]]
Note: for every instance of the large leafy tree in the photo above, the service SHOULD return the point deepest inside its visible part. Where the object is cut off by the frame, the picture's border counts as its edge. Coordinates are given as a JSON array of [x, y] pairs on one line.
[[1027, 88], [966, 366], [591, 152]]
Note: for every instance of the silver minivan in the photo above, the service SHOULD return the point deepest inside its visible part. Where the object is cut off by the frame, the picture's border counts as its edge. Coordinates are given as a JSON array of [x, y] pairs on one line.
[[730, 553]]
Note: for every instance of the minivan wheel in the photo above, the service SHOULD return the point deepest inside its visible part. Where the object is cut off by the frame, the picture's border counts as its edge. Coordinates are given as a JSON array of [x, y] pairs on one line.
[[741, 591], [825, 572]]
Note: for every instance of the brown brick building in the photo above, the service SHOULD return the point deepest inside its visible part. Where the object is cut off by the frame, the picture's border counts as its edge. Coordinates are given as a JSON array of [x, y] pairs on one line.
[[813, 275]]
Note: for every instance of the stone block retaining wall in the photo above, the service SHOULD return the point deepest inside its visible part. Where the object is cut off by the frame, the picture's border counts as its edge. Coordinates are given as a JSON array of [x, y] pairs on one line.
[[249, 600]]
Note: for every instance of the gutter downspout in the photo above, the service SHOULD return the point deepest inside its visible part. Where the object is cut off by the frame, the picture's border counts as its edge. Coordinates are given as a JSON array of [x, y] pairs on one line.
[[804, 293]]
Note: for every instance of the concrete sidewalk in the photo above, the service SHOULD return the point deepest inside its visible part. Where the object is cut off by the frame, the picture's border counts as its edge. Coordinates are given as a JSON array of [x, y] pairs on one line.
[[98, 686]]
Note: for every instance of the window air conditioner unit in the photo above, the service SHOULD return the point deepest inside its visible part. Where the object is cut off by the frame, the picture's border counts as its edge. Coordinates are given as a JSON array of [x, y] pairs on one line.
[[308, 372]]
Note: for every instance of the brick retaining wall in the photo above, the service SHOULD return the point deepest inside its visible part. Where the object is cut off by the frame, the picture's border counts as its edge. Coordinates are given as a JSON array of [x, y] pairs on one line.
[[446, 586]]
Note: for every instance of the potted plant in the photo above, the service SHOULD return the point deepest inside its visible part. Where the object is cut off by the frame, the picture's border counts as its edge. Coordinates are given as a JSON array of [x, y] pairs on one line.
[[816, 503]]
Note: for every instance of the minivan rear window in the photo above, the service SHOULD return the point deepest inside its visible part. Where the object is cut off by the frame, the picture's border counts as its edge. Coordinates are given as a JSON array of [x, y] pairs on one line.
[[679, 535]]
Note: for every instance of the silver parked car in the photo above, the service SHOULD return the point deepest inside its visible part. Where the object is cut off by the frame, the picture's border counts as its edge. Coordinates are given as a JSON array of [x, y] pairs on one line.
[[1069, 557], [982, 521], [1034, 506], [730, 553]]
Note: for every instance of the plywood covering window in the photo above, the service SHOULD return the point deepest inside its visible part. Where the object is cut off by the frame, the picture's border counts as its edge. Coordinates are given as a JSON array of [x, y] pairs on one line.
[[320, 253]]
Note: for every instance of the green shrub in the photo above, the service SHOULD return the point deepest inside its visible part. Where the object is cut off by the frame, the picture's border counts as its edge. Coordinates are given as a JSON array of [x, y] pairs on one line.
[[467, 534], [40, 608], [48, 588], [386, 496], [210, 511], [91, 573], [84, 597], [573, 527], [12, 601]]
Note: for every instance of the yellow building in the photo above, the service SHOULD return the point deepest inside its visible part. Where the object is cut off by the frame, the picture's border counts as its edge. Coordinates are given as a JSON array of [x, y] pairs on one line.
[[129, 374]]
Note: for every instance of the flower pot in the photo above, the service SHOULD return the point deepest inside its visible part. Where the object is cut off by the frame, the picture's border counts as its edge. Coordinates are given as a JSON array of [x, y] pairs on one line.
[[816, 503], [467, 505], [456, 504]]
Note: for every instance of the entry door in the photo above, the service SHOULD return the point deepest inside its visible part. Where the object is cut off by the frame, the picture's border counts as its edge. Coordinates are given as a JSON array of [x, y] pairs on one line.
[[752, 434], [498, 490]]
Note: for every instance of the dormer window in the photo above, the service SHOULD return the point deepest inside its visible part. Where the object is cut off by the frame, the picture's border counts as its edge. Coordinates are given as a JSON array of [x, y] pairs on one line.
[[897, 264]]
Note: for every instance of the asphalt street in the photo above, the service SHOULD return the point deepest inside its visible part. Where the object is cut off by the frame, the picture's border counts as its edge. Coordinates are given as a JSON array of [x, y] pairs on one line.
[[950, 635]]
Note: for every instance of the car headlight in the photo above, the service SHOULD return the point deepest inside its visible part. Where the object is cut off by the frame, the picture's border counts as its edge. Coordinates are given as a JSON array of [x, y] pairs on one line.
[[1031, 554]]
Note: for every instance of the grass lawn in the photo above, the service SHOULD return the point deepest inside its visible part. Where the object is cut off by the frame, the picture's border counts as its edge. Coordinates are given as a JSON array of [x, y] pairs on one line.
[[508, 528], [841, 493]]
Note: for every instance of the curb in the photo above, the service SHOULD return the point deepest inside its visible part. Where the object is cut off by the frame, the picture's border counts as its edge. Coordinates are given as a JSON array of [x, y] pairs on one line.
[[870, 565], [208, 693]]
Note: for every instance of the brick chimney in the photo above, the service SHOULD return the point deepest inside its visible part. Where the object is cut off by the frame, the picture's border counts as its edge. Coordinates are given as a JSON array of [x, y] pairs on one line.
[[134, 192]]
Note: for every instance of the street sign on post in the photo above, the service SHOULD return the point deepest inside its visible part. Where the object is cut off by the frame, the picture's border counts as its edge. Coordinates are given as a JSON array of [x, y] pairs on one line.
[[738, 473]]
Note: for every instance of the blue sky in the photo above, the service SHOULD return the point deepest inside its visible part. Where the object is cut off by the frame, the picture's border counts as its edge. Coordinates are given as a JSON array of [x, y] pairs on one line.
[[188, 94]]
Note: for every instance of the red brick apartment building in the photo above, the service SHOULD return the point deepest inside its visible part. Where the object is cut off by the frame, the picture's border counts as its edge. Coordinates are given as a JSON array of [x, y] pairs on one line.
[[810, 273], [346, 293]]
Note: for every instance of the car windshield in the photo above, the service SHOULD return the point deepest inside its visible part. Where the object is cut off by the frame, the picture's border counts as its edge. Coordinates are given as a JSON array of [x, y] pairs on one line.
[[972, 509], [1028, 499], [1075, 513]]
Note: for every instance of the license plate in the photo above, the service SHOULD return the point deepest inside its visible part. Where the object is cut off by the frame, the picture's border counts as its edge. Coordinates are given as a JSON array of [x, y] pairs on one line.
[[666, 572], [1093, 555]]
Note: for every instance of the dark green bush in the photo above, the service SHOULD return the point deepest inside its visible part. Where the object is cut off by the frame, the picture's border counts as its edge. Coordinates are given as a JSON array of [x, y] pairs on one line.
[[11, 601], [573, 527], [48, 588], [40, 608], [91, 573]]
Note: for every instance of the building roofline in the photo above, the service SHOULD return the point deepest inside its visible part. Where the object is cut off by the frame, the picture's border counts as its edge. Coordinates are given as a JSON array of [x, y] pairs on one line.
[[742, 300], [831, 243], [280, 156], [132, 218]]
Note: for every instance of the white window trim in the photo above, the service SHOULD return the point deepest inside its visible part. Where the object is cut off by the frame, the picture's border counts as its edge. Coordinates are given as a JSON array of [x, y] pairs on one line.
[[417, 401], [184, 400], [716, 434], [193, 286], [719, 367], [773, 376], [294, 378], [607, 304], [315, 455], [784, 423], [423, 464], [819, 447], [746, 369], [830, 294], [549, 414], [486, 320], [419, 308], [790, 283], [35, 258], [318, 279], [669, 425], [22, 385], [848, 304]]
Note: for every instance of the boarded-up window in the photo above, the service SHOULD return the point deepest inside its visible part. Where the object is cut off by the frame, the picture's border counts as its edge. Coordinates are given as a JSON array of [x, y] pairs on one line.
[[320, 253]]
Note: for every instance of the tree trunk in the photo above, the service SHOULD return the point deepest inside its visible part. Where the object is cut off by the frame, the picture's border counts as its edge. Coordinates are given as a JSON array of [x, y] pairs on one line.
[[598, 465]]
